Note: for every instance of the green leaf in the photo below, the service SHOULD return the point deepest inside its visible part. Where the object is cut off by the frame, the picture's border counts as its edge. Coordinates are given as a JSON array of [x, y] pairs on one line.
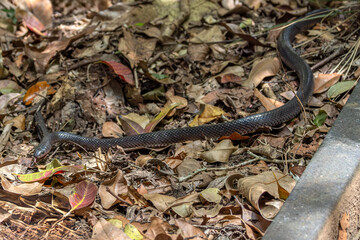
[[159, 76], [139, 24], [340, 88], [320, 118], [45, 174]]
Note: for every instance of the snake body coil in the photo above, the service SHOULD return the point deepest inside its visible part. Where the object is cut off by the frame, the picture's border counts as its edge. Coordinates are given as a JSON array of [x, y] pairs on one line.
[[242, 126]]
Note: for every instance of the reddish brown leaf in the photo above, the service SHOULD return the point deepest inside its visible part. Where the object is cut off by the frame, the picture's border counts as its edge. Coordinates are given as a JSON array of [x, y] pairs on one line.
[[235, 136], [35, 90], [83, 196], [230, 78], [121, 70]]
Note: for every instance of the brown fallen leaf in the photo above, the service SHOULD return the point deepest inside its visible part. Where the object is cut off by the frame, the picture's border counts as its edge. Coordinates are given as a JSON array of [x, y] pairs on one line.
[[158, 229], [18, 122], [189, 231], [24, 189], [324, 81], [104, 230], [118, 186], [136, 49], [111, 129], [268, 103], [161, 202], [36, 90], [256, 188], [42, 58], [262, 69], [220, 153], [210, 195]]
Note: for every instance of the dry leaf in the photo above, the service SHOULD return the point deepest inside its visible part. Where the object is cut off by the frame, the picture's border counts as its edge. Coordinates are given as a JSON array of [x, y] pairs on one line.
[[211, 195], [262, 69], [210, 113], [188, 231], [268, 103], [18, 122], [24, 189], [324, 81], [220, 153], [254, 188], [104, 230], [111, 129], [160, 201], [117, 185]]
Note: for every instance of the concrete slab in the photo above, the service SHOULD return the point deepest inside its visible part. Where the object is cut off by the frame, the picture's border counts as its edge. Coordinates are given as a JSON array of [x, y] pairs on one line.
[[329, 186]]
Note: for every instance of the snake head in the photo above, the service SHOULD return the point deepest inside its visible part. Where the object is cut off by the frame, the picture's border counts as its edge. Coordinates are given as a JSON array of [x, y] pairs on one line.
[[43, 148]]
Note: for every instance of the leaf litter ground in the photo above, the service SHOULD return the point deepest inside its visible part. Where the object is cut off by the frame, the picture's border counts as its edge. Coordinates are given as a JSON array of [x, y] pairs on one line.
[[160, 65]]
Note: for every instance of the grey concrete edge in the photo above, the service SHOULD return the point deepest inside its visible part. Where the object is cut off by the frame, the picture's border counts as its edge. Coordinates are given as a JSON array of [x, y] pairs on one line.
[[328, 185]]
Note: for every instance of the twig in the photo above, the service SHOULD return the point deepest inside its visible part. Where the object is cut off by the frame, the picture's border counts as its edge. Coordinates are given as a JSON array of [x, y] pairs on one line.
[[182, 179], [335, 54], [272, 160], [114, 195]]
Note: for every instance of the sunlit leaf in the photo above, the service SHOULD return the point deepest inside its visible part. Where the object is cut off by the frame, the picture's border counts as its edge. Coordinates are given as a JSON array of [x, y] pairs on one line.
[[211, 195], [83, 196], [122, 71], [45, 174], [150, 127], [35, 90], [132, 232]]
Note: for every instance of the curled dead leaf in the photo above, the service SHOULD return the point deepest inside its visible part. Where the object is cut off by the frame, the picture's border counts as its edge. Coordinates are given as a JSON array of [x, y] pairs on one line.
[[256, 188], [268, 103]]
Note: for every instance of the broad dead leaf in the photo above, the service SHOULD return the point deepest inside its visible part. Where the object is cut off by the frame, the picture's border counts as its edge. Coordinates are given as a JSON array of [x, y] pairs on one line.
[[24, 189], [104, 230], [255, 188], [36, 90], [158, 229], [111, 129], [324, 81], [211, 195], [262, 69], [189, 231], [118, 186], [18, 122], [160, 201], [220, 153]]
